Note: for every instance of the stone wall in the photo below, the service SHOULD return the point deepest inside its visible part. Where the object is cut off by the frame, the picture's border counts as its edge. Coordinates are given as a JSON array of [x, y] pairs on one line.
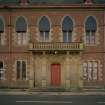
[[71, 70]]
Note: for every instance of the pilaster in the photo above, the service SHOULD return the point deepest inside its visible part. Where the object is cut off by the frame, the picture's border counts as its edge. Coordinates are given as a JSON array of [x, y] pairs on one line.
[[31, 72], [44, 71]]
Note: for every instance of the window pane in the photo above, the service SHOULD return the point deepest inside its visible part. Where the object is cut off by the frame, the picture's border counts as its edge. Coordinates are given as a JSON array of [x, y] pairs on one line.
[[44, 24], [1, 25], [24, 39], [23, 70], [21, 25], [95, 75], [19, 38], [93, 37], [44, 28], [90, 70], [18, 69], [67, 24], [46, 35], [88, 37], [95, 70], [42, 35], [65, 36], [1, 65], [1, 71], [69, 36], [85, 70], [0, 39], [91, 24], [0, 75], [89, 73]]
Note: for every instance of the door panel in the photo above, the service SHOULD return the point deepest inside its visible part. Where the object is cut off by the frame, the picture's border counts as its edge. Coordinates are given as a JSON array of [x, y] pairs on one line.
[[55, 74]]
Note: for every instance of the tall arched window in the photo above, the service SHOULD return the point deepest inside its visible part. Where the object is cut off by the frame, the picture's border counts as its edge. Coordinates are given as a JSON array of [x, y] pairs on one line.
[[1, 31], [21, 29], [44, 28], [90, 28], [67, 28]]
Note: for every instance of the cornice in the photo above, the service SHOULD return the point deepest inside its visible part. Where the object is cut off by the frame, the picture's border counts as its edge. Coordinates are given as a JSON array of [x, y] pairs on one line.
[[55, 6]]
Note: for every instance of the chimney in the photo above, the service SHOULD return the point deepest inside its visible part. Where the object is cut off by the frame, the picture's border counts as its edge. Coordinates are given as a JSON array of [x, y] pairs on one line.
[[88, 1], [23, 2]]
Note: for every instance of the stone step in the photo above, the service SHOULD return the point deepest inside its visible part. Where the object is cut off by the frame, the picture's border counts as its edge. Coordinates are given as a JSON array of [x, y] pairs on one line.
[[46, 90], [94, 89]]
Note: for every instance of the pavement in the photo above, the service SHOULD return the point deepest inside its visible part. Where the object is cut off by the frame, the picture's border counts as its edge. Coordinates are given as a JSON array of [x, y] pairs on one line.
[[28, 92]]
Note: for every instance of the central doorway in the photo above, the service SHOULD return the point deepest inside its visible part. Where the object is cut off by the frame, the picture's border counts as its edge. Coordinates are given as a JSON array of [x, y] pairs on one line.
[[55, 74]]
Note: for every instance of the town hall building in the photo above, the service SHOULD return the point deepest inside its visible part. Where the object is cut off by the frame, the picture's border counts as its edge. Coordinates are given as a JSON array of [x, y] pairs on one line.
[[49, 44]]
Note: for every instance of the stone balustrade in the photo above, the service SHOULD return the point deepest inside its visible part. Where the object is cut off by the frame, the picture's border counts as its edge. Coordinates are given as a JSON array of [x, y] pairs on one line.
[[59, 46]]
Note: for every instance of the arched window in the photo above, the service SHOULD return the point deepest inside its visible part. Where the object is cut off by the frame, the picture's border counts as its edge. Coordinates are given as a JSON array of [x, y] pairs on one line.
[[21, 29], [2, 71], [90, 28], [44, 28], [21, 25], [67, 28], [1, 31]]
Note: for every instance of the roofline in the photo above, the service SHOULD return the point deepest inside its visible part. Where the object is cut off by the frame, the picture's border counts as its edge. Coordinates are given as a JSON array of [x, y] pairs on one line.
[[52, 6]]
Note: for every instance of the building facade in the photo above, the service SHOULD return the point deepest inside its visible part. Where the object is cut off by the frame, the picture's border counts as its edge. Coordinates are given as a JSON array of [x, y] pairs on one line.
[[51, 44]]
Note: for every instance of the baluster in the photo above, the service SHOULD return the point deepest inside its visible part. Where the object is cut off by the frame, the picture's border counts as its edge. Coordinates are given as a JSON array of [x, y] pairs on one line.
[[78, 45], [58, 46]]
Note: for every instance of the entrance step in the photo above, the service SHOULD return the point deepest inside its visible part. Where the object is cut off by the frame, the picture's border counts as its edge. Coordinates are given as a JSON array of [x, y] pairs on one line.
[[56, 89], [46, 90], [38, 90], [94, 89]]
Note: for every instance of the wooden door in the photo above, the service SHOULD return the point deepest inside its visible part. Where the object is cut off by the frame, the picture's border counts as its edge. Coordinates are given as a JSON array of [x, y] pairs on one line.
[[55, 74]]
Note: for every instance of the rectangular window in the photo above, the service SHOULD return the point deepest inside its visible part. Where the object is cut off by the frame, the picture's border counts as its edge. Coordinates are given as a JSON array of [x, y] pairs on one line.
[[18, 69], [21, 38], [90, 70], [21, 70], [2, 71], [90, 37]]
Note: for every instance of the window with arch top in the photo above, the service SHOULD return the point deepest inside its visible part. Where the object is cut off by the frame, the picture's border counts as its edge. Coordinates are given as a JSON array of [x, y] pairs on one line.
[[67, 29], [90, 29], [1, 31], [44, 28], [21, 30]]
